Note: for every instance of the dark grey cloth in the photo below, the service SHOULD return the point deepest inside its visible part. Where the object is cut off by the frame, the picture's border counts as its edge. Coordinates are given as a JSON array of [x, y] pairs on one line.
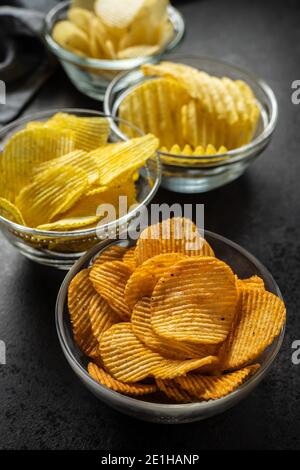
[[24, 61]]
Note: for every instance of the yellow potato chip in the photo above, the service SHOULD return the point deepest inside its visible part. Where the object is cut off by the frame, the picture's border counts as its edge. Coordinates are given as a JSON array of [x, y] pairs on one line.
[[138, 51], [69, 224], [86, 4], [107, 380], [189, 151], [102, 316], [176, 235], [9, 211], [143, 280], [51, 193], [77, 158], [70, 37], [81, 17], [112, 253], [109, 280], [260, 319], [129, 360], [214, 387], [173, 391], [155, 107], [80, 293], [117, 161], [171, 349], [29, 147], [129, 257], [115, 14], [89, 132], [195, 301]]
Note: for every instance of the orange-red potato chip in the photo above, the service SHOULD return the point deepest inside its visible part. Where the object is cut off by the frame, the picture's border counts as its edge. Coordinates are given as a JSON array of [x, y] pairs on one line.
[[80, 294], [127, 359], [173, 391], [171, 349], [195, 301], [112, 253], [129, 257], [177, 235], [109, 280], [214, 387], [260, 319], [102, 316], [102, 377], [255, 282], [143, 280]]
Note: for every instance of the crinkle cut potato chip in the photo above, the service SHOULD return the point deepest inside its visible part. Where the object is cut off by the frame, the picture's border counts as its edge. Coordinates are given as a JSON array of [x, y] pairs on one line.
[[155, 107], [214, 387], [129, 257], [195, 301], [9, 211], [115, 14], [51, 193], [254, 281], [127, 359], [171, 349], [107, 380], [173, 391], [109, 280], [69, 224], [29, 147], [80, 293], [102, 316], [112, 253], [116, 161], [260, 319], [176, 235], [143, 280]]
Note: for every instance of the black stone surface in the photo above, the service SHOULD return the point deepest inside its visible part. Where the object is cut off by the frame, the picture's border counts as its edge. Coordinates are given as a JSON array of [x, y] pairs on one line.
[[42, 404]]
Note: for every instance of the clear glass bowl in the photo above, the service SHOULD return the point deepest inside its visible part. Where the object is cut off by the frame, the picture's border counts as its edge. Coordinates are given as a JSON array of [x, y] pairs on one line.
[[92, 76], [244, 265], [201, 176], [63, 249]]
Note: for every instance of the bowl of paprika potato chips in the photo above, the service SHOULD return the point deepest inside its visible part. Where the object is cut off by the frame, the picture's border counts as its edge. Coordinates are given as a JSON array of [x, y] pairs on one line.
[[95, 40], [213, 119], [173, 327], [67, 181]]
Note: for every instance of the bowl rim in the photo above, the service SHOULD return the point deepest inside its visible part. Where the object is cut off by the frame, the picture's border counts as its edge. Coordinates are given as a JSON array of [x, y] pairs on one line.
[[91, 231], [113, 64], [231, 156], [140, 404]]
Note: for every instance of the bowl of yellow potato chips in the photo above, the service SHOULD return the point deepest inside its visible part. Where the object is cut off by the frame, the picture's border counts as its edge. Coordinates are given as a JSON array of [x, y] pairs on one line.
[[212, 119], [172, 327], [95, 40], [66, 181]]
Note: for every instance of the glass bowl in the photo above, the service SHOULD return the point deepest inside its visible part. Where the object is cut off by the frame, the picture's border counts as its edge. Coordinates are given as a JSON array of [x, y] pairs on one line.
[[63, 249], [202, 176], [92, 76], [244, 265]]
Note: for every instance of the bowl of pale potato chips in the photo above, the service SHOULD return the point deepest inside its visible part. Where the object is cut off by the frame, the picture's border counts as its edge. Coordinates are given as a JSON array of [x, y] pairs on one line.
[[212, 118], [95, 40], [173, 327], [66, 181]]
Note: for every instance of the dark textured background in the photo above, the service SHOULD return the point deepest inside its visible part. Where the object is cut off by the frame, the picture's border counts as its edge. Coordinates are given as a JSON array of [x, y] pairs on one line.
[[42, 404]]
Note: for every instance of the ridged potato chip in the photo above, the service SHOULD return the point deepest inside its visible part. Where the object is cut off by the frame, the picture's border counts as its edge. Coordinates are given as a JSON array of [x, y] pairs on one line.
[[51, 193], [117, 161], [260, 319], [188, 152], [69, 224], [102, 316], [29, 147], [171, 349], [129, 257], [112, 253], [255, 282], [107, 380], [195, 301], [177, 235], [89, 132], [127, 359], [80, 293], [155, 107], [143, 280], [214, 387], [109, 280], [70, 37], [173, 391], [9, 211]]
